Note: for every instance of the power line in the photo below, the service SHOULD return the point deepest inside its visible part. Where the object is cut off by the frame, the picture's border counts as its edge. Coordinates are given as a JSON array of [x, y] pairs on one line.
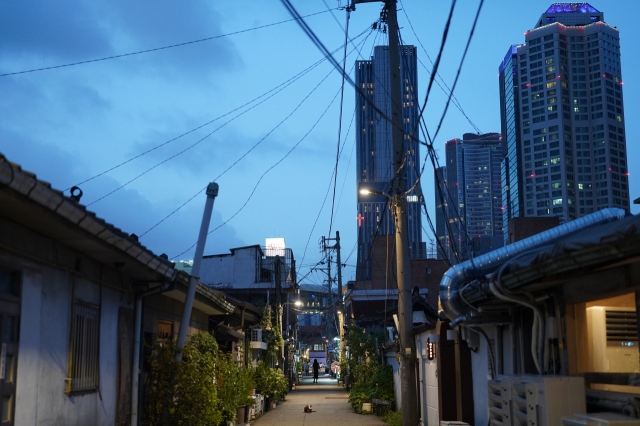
[[344, 66], [239, 159], [264, 174], [163, 47], [437, 64], [214, 131], [335, 170], [455, 81], [446, 92], [277, 89], [420, 120], [318, 43]]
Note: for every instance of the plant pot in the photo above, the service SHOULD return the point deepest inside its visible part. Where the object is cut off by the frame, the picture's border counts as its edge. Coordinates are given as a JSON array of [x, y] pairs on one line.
[[366, 406], [267, 404], [247, 414], [240, 413]]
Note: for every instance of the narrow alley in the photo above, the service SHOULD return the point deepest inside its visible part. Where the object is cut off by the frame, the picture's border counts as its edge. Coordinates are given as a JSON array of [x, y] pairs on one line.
[[328, 400]]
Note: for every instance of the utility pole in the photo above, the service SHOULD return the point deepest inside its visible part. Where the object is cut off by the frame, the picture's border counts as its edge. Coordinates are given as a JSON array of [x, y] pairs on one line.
[[408, 389], [212, 193], [405, 303], [279, 305], [340, 310]]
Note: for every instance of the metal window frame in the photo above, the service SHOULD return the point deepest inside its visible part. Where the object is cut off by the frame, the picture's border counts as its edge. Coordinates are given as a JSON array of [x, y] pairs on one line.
[[84, 348]]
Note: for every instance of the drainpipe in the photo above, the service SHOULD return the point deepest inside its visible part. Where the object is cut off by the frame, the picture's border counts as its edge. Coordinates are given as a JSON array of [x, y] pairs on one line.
[[137, 332]]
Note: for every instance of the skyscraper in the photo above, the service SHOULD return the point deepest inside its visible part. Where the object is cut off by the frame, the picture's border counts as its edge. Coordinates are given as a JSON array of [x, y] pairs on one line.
[[511, 172], [565, 86], [471, 200], [374, 150]]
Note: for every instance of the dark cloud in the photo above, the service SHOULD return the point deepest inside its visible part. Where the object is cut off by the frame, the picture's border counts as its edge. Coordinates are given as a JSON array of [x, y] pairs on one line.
[[41, 34], [65, 32]]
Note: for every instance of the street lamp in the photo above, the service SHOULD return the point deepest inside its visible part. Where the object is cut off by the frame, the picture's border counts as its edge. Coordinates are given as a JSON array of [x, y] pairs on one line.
[[367, 191]]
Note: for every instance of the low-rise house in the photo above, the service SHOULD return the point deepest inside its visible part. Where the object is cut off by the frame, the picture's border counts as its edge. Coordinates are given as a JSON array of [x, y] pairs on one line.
[[258, 275], [554, 317], [72, 293]]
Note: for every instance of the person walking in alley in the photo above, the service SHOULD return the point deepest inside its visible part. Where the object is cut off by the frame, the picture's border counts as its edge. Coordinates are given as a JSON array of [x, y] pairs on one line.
[[316, 369]]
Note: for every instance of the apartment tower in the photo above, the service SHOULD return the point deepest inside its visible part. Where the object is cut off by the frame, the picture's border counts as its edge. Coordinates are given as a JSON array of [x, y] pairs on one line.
[[563, 117], [374, 149], [469, 204]]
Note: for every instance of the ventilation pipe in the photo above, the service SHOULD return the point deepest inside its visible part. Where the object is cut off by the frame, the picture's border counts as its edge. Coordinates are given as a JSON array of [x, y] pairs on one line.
[[478, 268]]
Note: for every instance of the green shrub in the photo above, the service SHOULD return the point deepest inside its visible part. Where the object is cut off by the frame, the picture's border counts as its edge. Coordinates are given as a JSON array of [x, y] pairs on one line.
[[369, 377], [393, 418], [270, 382], [185, 392], [205, 388]]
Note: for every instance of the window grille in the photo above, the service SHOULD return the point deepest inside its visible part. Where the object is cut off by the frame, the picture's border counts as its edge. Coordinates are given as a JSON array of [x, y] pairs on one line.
[[84, 353], [256, 335]]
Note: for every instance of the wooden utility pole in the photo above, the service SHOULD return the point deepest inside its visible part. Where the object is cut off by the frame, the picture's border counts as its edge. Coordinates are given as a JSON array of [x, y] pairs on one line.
[[409, 402], [410, 415]]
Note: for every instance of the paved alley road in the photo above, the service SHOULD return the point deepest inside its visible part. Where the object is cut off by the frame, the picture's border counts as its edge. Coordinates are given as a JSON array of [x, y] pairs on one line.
[[329, 402]]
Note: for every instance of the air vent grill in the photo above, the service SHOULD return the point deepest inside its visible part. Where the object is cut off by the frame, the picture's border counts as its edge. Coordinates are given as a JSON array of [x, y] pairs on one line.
[[622, 326]]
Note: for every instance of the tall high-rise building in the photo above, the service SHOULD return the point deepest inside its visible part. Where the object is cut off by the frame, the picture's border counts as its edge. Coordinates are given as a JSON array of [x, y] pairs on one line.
[[511, 168], [472, 199], [374, 149], [442, 234], [563, 117]]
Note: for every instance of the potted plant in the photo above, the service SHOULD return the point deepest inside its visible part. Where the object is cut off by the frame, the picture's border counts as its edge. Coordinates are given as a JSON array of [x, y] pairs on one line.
[[271, 383], [246, 389]]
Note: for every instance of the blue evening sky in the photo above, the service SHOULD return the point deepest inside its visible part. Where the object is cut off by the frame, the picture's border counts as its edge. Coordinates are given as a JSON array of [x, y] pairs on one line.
[[72, 123]]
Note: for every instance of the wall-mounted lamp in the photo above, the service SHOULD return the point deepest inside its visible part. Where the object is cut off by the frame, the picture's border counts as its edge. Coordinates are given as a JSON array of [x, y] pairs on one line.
[[432, 340]]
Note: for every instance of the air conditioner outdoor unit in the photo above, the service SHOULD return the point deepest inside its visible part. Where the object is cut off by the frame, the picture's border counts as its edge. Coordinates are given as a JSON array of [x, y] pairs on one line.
[[256, 339], [530, 400], [613, 339]]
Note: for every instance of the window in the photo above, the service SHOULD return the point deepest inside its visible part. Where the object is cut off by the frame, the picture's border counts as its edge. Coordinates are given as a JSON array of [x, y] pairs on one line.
[[165, 329], [597, 318], [318, 347], [84, 348]]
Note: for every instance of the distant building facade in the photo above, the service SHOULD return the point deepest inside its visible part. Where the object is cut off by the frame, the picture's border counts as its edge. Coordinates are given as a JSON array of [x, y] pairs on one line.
[[469, 217]]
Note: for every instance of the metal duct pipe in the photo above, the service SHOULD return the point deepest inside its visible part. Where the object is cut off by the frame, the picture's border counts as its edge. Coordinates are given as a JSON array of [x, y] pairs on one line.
[[459, 275]]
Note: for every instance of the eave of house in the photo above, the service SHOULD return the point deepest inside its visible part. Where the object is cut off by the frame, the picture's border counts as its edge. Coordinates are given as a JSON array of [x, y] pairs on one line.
[[207, 300], [599, 260], [33, 204]]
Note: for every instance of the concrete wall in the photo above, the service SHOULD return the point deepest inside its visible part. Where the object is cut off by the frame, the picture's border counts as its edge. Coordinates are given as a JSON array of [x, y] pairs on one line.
[[45, 326], [237, 270], [428, 380], [481, 376], [391, 360]]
